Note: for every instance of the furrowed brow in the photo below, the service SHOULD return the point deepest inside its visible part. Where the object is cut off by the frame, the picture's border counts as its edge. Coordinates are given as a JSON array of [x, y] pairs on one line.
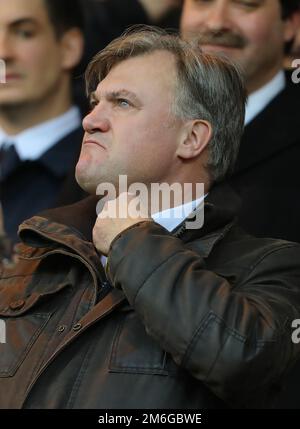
[[113, 95]]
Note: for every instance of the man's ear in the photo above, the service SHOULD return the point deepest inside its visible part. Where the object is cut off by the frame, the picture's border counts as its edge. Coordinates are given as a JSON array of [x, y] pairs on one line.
[[194, 139], [291, 26], [72, 44]]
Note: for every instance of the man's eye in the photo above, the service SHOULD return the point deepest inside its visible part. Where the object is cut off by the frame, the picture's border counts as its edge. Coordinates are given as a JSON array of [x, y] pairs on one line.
[[25, 34], [249, 3], [246, 3], [202, 1], [122, 102], [93, 104]]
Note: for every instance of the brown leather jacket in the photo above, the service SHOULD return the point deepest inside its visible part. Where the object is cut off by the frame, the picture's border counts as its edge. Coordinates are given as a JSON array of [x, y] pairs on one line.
[[194, 319]]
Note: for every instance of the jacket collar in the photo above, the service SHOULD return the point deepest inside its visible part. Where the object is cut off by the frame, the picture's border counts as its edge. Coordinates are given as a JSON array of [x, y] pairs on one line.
[[70, 228], [73, 224], [220, 210]]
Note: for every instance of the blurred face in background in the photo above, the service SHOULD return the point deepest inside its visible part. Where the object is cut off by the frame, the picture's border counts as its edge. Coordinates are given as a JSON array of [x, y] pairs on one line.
[[294, 53], [250, 32], [36, 60]]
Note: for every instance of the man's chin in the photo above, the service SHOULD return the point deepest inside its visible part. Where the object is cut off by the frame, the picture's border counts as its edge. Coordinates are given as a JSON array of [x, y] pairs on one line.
[[11, 99], [14, 101], [85, 183]]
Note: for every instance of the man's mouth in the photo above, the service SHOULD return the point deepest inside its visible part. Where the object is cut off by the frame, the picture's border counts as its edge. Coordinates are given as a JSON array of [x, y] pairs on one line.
[[222, 40], [12, 76], [217, 46], [93, 142]]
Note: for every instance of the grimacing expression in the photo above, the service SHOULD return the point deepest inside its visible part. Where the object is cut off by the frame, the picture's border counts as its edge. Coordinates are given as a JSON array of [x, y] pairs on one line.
[[250, 32], [35, 59], [130, 129]]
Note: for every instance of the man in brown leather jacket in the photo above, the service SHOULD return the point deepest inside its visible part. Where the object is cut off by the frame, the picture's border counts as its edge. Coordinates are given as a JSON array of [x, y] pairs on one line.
[[179, 317]]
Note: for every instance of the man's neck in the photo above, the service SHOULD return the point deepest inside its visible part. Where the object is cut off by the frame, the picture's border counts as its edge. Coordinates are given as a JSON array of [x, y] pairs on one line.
[[257, 82], [16, 118], [260, 99], [186, 189]]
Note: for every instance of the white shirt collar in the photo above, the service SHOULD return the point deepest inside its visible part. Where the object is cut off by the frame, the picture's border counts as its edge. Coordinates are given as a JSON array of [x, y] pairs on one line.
[[259, 99], [32, 143], [173, 217]]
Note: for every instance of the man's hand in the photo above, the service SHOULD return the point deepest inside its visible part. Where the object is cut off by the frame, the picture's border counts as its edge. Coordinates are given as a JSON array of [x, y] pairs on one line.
[[116, 216]]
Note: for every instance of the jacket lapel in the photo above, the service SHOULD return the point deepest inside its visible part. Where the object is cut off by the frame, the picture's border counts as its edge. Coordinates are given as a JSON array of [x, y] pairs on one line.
[[220, 211], [273, 130], [69, 229]]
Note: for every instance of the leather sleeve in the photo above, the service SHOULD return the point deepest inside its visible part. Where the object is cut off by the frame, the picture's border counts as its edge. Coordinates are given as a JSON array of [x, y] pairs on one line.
[[234, 336]]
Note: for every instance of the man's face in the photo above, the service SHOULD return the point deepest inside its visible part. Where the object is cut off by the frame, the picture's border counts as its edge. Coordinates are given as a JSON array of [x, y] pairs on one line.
[[32, 54], [251, 32], [130, 130]]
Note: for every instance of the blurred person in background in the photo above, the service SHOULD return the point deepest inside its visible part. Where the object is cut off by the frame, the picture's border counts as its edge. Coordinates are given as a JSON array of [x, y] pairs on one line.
[[41, 43], [293, 50], [254, 34]]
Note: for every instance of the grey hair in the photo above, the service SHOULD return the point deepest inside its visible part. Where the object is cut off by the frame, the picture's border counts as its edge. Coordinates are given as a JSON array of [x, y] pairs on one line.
[[208, 87]]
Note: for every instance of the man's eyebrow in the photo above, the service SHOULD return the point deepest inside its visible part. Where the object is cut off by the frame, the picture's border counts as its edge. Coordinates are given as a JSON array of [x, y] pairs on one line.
[[122, 93], [112, 95], [22, 21]]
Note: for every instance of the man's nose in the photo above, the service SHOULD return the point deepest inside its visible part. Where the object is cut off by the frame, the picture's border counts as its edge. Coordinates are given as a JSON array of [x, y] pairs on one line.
[[218, 17], [6, 47], [96, 121]]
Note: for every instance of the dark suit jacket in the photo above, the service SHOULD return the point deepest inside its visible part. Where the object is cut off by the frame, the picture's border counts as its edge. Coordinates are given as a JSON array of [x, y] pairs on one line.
[[36, 185], [267, 174]]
